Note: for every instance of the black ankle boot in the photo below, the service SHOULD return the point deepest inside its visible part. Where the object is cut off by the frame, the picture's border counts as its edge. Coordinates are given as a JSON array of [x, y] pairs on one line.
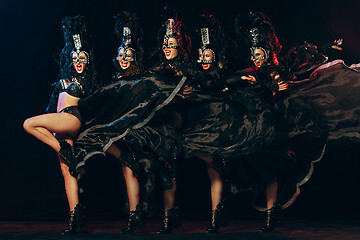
[[67, 154], [171, 220], [135, 221], [77, 220], [217, 219], [274, 217]]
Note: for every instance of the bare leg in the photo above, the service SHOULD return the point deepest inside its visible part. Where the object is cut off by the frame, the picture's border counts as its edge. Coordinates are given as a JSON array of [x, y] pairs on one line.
[[132, 186], [169, 196], [171, 219], [43, 127], [216, 187], [216, 183], [271, 194], [273, 212], [114, 151], [132, 183], [71, 186], [65, 125]]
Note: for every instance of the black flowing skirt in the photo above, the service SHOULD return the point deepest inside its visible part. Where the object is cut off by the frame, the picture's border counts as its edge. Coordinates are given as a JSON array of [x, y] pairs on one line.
[[258, 142], [334, 90], [139, 119]]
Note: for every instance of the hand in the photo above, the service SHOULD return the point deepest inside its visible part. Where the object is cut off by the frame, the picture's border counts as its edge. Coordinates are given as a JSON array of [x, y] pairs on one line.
[[251, 79], [275, 76], [185, 91], [282, 85], [337, 43]]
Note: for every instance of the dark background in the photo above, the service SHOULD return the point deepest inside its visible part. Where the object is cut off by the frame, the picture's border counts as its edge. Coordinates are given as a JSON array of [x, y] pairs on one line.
[[31, 185]]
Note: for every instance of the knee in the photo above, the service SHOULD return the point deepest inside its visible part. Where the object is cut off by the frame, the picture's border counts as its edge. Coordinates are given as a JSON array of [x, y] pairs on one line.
[[28, 125]]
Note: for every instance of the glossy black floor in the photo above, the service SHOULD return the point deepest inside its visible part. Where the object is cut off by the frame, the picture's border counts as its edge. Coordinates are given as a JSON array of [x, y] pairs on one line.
[[108, 230]]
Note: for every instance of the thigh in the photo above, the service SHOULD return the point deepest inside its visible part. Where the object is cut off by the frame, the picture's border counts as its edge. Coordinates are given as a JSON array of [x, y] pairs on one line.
[[59, 123]]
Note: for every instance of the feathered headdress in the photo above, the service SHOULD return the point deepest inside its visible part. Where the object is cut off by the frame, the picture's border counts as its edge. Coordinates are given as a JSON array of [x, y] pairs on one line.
[[212, 38], [127, 28], [77, 40], [76, 36], [258, 32], [173, 27]]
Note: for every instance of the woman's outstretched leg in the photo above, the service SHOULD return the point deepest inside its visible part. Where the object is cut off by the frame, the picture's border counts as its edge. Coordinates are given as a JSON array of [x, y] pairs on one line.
[[43, 126], [66, 126]]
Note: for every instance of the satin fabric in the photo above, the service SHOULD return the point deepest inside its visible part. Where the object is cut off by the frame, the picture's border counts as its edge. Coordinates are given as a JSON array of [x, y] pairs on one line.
[[257, 140], [334, 89], [136, 114]]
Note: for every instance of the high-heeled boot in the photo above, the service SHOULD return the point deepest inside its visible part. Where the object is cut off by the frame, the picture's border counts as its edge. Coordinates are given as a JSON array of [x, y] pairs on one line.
[[171, 221], [67, 154], [217, 219], [135, 221], [77, 219], [274, 217]]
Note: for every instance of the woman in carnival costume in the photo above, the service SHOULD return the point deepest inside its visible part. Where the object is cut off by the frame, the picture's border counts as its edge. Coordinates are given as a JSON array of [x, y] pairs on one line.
[[241, 135], [304, 99], [104, 106], [172, 59], [207, 110], [60, 126], [140, 115]]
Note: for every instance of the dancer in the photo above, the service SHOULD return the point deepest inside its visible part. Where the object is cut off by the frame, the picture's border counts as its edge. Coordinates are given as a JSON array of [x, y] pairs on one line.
[[105, 106], [255, 144], [209, 81], [256, 31], [174, 60], [143, 116], [309, 105], [130, 54], [60, 126], [234, 125]]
